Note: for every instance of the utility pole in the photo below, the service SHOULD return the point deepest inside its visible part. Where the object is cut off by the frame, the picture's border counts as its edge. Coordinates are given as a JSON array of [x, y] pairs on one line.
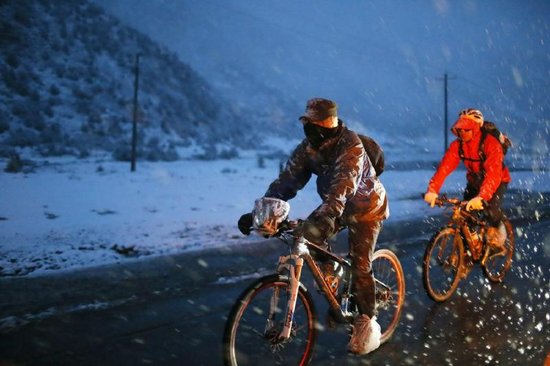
[[446, 126], [446, 111], [134, 119]]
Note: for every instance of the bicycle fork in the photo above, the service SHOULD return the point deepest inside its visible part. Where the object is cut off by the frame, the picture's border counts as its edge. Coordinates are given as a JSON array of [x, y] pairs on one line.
[[293, 264]]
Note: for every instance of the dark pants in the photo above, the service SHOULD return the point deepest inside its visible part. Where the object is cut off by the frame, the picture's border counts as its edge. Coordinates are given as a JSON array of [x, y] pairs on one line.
[[362, 240], [494, 206]]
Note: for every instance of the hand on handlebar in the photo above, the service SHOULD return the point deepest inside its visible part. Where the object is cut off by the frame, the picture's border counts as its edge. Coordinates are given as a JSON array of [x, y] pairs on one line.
[[475, 203], [430, 198], [245, 223], [316, 229]]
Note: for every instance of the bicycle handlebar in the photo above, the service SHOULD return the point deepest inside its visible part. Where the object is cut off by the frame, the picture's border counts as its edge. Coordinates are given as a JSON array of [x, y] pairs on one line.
[[444, 200], [458, 204], [286, 230]]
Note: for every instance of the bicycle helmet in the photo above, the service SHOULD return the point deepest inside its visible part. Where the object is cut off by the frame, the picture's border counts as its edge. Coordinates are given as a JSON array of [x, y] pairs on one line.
[[468, 119], [268, 213], [472, 114]]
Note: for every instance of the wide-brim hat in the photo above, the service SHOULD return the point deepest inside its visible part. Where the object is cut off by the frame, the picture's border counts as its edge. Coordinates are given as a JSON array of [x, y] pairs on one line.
[[319, 109]]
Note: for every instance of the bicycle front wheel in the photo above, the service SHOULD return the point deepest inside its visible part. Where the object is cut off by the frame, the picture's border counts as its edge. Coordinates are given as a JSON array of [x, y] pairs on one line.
[[253, 327], [497, 264], [441, 265], [390, 291]]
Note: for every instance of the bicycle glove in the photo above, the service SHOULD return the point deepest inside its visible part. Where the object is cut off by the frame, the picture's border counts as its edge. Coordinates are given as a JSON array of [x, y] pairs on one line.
[[430, 198], [475, 203], [318, 229], [245, 223]]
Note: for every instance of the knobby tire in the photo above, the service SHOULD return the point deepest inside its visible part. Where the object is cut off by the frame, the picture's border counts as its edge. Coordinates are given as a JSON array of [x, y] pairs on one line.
[[246, 341], [442, 263], [387, 269], [495, 268]]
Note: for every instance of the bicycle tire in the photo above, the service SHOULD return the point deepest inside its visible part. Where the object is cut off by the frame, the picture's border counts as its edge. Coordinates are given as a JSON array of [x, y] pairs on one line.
[[448, 264], [388, 270], [246, 340], [491, 266]]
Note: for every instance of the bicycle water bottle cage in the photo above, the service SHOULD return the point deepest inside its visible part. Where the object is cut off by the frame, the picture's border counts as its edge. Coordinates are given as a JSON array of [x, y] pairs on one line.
[[268, 213]]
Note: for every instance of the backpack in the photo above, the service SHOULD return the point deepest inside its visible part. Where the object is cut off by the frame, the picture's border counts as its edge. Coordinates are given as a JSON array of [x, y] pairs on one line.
[[488, 128], [375, 153]]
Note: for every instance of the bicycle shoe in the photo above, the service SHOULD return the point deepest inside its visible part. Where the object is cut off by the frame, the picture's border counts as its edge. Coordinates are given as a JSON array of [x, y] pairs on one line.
[[496, 236], [366, 335]]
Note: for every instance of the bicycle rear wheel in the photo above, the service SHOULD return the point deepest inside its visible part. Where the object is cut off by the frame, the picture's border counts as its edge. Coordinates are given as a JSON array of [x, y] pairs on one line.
[[496, 266], [251, 334], [390, 291], [441, 265]]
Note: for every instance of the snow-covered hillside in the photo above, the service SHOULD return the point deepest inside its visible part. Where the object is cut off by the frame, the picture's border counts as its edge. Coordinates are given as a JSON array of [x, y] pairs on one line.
[[67, 87]]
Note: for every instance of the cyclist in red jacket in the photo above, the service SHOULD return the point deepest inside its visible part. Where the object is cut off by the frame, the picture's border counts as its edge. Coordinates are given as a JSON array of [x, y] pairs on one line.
[[487, 176]]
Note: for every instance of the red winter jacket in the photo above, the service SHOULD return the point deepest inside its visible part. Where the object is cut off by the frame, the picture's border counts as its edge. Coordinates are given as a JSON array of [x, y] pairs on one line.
[[495, 171]]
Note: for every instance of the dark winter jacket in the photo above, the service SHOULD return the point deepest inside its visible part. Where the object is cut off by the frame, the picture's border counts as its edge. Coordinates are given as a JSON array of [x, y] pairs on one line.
[[346, 181]]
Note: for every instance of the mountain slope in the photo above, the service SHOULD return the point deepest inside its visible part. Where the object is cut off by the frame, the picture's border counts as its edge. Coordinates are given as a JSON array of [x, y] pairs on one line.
[[68, 81], [383, 62]]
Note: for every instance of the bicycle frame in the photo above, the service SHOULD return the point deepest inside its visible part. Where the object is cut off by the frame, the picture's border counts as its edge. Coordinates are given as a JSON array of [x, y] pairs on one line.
[[461, 221], [444, 268], [294, 262]]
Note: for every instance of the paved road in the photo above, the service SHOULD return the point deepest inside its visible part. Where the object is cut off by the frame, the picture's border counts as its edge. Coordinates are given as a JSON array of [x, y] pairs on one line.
[[171, 310]]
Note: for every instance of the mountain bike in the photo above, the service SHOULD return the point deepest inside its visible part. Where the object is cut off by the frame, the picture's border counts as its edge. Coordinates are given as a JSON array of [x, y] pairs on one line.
[[454, 249], [274, 321]]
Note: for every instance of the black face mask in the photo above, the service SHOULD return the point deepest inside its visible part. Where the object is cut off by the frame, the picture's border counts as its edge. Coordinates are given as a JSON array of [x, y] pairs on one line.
[[316, 135]]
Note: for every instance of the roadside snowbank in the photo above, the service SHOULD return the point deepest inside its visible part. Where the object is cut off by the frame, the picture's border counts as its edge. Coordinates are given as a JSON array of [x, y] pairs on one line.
[[71, 213]]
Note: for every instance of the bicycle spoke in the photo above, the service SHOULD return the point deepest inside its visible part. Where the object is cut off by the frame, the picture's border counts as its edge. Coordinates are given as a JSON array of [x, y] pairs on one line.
[[441, 250], [496, 263], [253, 332], [442, 265], [390, 291]]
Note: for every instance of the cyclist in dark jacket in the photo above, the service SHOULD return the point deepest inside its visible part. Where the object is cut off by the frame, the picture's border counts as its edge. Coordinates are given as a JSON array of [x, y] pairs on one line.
[[351, 195]]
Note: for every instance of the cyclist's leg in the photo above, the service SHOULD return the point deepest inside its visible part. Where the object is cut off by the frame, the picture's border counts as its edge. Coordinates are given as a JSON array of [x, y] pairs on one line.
[[366, 331], [362, 241], [494, 207], [471, 191], [496, 233]]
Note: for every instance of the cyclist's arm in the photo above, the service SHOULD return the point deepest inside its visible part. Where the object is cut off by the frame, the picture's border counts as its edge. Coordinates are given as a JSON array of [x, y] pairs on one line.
[[492, 167], [448, 164], [294, 176]]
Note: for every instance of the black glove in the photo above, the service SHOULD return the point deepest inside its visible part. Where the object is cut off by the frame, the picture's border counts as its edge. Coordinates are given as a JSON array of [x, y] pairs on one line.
[[245, 223], [317, 229]]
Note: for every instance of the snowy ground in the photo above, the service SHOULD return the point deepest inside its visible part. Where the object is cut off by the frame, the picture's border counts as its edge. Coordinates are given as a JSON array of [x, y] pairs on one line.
[[71, 213]]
